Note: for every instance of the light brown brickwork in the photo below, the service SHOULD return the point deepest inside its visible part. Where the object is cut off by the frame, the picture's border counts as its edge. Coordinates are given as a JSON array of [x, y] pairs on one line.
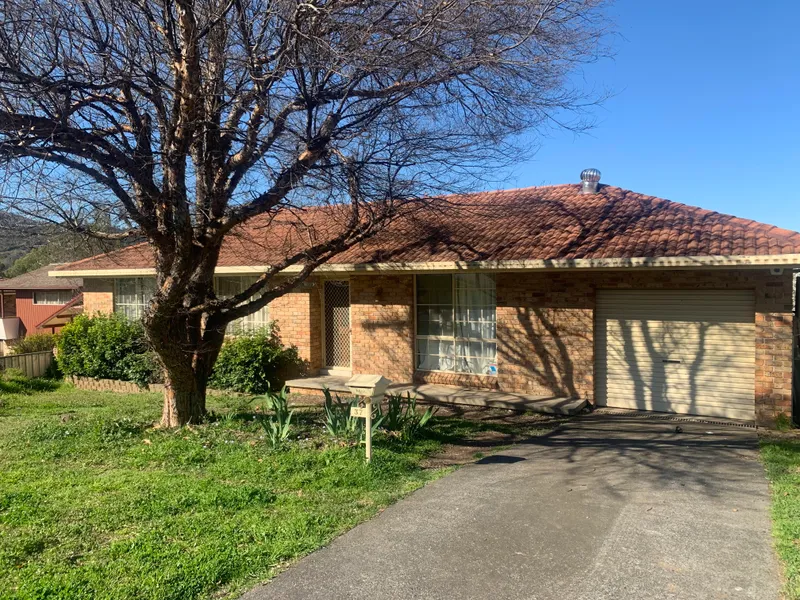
[[128, 387], [545, 327], [483, 382], [299, 319], [382, 321], [546, 323], [545, 334], [98, 296]]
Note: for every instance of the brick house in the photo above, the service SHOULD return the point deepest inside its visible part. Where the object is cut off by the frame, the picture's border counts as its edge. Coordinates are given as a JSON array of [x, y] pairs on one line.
[[587, 291], [36, 303]]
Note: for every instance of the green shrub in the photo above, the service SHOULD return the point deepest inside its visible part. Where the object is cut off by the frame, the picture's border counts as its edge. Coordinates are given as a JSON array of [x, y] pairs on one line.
[[37, 342], [393, 418], [107, 347], [277, 423], [255, 363]]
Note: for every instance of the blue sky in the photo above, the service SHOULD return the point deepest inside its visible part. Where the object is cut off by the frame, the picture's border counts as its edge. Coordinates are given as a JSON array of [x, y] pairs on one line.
[[706, 109]]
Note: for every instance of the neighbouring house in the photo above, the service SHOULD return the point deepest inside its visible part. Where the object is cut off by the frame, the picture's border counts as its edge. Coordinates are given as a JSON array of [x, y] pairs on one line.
[[586, 290], [36, 303]]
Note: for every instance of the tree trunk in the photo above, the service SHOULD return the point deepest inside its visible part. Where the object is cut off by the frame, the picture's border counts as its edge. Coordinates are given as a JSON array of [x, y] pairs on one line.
[[184, 401], [188, 365], [188, 361]]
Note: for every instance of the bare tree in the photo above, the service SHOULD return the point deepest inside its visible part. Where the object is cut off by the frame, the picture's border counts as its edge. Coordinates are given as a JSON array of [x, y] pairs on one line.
[[180, 120]]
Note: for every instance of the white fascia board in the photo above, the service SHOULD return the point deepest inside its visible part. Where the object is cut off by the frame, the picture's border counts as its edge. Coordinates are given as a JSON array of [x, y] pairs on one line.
[[587, 264]]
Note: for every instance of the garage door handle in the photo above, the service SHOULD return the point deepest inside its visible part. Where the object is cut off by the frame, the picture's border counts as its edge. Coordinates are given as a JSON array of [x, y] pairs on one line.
[[670, 361]]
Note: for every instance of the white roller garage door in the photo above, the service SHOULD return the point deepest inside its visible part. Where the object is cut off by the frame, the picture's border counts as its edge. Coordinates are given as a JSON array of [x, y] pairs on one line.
[[677, 351]]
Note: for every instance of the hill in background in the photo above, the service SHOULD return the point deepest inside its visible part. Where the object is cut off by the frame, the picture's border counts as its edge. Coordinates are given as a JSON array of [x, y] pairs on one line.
[[26, 245], [18, 236]]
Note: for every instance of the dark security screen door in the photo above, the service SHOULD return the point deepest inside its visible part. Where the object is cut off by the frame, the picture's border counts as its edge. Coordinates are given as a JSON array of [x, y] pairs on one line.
[[337, 324]]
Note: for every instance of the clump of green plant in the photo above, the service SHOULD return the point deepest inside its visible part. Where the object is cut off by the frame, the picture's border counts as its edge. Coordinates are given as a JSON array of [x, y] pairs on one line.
[[340, 424], [107, 347], [783, 422], [36, 342], [13, 374], [277, 421], [255, 363], [402, 418], [14, 381]]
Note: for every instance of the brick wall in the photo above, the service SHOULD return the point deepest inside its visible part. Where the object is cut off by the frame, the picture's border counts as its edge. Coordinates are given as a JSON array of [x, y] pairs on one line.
[[113, 385], [483, 382], [545, 334], [297, 314], [299, 318], [128, 387], [382, 321], [98, 296], [546, 323]]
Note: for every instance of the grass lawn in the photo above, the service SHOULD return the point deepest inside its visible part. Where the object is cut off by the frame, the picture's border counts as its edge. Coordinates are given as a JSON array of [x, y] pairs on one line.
[[95, 503], [782, 459]]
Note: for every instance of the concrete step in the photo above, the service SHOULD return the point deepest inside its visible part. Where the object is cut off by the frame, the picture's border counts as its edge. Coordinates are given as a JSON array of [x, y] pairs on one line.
[[446, 394]]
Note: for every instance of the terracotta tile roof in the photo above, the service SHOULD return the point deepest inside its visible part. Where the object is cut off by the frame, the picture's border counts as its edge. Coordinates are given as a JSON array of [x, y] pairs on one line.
[[40, 280], [555, 222]]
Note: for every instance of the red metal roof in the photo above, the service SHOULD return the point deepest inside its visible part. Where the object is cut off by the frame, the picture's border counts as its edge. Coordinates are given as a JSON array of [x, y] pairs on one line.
[[554, 222]]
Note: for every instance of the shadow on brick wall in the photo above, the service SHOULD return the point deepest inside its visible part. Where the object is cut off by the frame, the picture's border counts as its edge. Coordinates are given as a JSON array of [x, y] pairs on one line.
[[541, 346]]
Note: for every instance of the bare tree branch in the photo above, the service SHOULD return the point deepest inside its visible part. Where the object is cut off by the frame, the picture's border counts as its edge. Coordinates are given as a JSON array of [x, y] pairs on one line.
[[183, 121]]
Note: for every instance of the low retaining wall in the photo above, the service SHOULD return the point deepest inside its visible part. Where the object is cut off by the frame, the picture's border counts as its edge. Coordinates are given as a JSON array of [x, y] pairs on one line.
[[112, 385], [128, 387]]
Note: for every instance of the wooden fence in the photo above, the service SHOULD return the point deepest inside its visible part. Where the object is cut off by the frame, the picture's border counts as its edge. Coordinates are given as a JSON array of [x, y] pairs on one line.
[[33, 364]]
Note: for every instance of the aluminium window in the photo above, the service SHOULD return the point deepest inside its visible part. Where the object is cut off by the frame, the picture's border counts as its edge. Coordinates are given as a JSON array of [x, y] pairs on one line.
[[457, 323], [56, 297], [132, 295], [230, 286]]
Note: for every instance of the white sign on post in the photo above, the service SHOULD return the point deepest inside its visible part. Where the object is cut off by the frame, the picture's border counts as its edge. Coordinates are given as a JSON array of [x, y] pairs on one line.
[[359, 412]]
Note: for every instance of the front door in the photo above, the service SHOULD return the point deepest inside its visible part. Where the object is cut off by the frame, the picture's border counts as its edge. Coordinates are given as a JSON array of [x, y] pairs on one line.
[[337, 324]]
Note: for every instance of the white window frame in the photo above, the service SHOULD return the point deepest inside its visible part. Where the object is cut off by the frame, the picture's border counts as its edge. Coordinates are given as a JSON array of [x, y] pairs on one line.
[[455, 339], [251, 323], [137, 307], [40, 297], [257, 321]]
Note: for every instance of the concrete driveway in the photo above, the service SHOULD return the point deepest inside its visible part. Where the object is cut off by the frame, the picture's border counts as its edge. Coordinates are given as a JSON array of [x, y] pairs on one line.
[[610, 507]]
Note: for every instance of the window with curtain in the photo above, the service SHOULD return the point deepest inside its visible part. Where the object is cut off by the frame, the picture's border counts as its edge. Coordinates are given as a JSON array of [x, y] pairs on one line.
[[53, 297], [132, 294], [230, 286], [456, 323]]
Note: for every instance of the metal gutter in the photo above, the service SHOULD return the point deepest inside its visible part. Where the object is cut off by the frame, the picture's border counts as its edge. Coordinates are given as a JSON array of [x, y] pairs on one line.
[[587, 264]]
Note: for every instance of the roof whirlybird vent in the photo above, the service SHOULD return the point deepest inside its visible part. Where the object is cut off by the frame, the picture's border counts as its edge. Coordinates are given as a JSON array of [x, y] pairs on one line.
[[590, 181]]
